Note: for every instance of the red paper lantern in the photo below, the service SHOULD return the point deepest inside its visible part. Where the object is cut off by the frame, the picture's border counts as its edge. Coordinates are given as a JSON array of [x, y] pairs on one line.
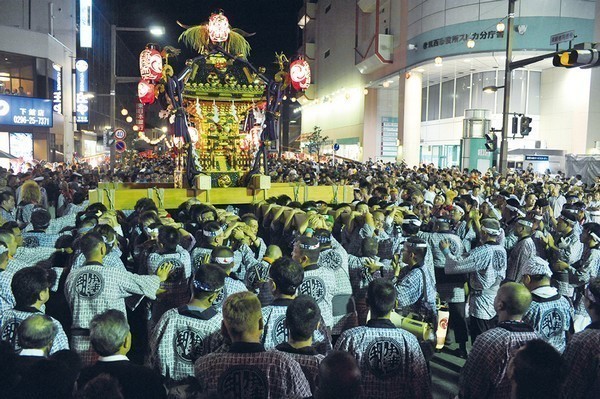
[[146, 92], [151, 64], [218, 28], [300, 74]]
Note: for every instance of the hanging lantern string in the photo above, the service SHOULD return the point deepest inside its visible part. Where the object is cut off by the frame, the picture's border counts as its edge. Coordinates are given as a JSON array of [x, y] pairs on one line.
[[142, 136]]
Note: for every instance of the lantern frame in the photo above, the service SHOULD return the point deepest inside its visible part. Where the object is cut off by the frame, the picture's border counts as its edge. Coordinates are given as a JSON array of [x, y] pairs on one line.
[[151, 64], [218, 28], [300, 74], [146, 92]]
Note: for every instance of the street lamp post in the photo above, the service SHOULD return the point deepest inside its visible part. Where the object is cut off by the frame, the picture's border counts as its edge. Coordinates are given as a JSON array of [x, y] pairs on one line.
[[156, 31], [507, 81], [113, 90]]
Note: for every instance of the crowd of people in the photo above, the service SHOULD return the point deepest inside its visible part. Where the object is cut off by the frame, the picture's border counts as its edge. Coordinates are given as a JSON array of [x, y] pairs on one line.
[[301, 300]]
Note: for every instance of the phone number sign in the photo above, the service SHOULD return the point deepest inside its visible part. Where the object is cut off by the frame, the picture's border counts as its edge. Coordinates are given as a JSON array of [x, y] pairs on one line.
[[25, 111]]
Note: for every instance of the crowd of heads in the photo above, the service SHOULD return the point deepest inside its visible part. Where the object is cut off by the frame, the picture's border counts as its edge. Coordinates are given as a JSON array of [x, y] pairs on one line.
[[201, 253]]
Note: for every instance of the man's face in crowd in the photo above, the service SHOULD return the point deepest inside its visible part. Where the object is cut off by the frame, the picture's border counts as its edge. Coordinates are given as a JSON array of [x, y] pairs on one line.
[[362, 209], [521, 231], [297, 253], [11, 244], [485, 209], [253, 225], [321, 207], [18, 235], [378, 219], [585, 237], [417, 199], [562, 226], [456, 214], [9, 204], [425, 210], [406, 256], [530, 201]]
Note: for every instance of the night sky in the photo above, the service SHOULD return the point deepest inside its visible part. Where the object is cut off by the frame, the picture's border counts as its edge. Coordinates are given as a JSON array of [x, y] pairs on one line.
[[273, 21]]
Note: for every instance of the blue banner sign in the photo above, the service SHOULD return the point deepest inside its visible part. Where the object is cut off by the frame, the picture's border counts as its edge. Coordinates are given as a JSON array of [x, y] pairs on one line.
[[537, 158], [82, 114], [57, 89], [25, 111]]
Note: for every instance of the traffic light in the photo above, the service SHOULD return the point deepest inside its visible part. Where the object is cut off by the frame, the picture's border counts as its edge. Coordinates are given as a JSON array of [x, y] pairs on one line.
[[585, 55], [515, 125], [491, 143], [111, 138], [525, 125]]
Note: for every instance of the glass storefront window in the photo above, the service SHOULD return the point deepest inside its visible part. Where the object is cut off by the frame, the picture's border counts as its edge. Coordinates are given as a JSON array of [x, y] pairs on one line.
[[442, 156], [447, 99], [518, 92], [17, 74], [466, 92], [424, 105], [463, 94], [433, 106], [479, 99], [21, 145]]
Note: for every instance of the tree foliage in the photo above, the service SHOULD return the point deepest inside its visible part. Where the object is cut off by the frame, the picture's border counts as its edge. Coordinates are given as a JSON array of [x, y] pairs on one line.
[[316, 141]]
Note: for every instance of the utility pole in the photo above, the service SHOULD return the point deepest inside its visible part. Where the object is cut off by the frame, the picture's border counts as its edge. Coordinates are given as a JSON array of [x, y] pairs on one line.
[[113, 90], [507, 83]]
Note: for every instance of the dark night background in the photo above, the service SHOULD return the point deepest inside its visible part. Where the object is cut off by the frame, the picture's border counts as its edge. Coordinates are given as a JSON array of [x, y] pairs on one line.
[[273, 21]]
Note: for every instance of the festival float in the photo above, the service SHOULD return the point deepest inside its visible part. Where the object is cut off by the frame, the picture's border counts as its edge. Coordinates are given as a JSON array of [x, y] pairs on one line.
[[223, 109], [222, 112]]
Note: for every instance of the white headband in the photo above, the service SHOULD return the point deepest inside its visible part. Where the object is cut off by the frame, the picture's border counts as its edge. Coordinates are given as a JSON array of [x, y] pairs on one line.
[[492, 232], [308, 246], [496, 213], [515, 209], [594, 236], [207, 233], [416, 222], [569, 221], [415, 244], [458, 208], [525, 223], [223, 260]]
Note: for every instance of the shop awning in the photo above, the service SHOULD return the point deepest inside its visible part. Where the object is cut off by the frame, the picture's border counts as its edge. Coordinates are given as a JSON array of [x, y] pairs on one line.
[[7, 155]]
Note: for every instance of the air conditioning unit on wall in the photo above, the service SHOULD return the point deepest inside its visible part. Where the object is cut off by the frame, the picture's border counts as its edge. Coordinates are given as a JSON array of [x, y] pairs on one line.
[[367, 6], [385, 50]]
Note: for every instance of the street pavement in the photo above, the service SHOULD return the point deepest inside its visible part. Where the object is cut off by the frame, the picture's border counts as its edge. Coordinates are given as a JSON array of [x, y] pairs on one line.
[[445, 369]]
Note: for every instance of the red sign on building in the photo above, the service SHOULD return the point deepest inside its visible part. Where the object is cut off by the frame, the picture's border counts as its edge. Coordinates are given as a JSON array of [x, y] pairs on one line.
[[140, 116]]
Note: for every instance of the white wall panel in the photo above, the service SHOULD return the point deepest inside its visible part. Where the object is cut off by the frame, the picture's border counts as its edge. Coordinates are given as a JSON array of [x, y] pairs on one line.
[[538, 8], [577, 8], [459, 15]]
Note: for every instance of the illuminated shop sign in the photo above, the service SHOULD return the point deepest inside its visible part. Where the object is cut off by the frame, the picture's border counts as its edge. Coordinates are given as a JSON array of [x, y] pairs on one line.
[[57, 89], [85, 23], [81, 88], [25, 111], [483, 35]]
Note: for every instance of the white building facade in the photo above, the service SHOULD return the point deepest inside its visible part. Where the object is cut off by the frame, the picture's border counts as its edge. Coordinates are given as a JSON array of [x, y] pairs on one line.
[[37, 56], [395, 79]]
